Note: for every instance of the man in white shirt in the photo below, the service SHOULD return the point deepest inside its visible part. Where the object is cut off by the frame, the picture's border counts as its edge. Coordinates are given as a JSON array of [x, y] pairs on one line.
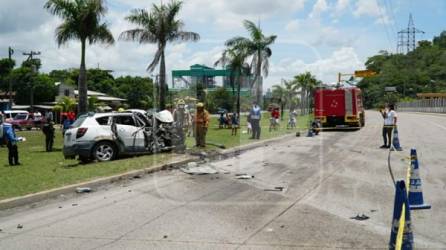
[[390, 119]]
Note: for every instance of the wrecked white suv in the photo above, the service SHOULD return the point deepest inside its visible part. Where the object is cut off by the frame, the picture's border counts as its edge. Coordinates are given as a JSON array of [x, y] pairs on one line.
[[105, 136]]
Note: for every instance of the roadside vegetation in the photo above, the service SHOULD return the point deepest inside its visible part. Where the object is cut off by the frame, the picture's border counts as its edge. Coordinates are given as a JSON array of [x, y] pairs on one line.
[[41, 170], [420, 71]]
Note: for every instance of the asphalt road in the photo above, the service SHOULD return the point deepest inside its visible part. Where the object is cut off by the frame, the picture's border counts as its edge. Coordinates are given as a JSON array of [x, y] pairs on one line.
[[327, 180]]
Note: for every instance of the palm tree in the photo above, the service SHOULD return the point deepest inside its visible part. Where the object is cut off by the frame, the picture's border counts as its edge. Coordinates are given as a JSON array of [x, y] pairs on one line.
[[307, 83], [235, 60], [257, 46], [285, 94], [160, 27], [81, 21]]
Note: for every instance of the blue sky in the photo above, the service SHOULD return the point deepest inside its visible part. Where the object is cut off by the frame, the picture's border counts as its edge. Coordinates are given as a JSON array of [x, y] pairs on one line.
[[321, 36]]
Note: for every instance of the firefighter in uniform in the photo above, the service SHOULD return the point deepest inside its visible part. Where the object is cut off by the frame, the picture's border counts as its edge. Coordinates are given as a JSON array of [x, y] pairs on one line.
[[182, 119], [48, 131], [201, 122]]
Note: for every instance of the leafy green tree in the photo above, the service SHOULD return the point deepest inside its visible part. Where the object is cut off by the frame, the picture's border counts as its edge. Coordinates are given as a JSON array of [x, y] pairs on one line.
[[284, 95], [81, 21], [66, 104], [235, 59], [159, 26], [6, 66], [137, 90], [257, 46], [307, 84]]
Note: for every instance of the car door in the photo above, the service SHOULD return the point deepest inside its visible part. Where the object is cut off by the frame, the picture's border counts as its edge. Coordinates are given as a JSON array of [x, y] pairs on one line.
[[129, 133]]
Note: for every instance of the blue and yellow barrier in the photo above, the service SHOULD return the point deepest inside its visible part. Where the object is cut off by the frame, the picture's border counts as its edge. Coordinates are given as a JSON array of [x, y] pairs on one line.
[[416, 200], [401, 236]]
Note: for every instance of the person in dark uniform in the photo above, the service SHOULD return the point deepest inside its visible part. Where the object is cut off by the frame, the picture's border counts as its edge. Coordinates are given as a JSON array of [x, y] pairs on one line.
[[48, 131], [12, 139]]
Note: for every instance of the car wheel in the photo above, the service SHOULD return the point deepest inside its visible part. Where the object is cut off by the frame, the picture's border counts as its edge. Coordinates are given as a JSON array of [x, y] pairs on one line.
[[104, 151]]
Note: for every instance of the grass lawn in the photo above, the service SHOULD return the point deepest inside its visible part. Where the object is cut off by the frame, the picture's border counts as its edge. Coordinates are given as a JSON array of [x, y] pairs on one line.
[[223, 136], [41, 170]]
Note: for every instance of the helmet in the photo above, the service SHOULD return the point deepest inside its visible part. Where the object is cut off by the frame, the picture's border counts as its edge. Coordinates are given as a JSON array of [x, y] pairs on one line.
[[200, 105], [181, 102]]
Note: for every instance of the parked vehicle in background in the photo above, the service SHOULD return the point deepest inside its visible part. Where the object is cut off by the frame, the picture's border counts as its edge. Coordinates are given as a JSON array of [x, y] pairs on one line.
[[106, 136], [340, 107], [10, 114], [27, 121]]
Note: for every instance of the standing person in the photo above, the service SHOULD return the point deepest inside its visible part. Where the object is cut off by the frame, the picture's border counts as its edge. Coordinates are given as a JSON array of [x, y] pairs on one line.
[[201, 122], [2, 139], [248, 124], [234, 123], [48, 131], [390, 118], [255, 116], [292, 122], [11, 139], [274, 121], [66, 123], [182, 119]]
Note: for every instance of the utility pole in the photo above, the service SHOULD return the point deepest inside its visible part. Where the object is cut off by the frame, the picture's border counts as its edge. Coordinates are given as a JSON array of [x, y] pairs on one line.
[[35, 70], [10, 53], [31, 54]]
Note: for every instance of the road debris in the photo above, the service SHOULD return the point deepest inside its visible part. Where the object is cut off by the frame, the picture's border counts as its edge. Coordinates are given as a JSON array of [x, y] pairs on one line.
[[360, 217], [19, 226], [165, 237], [194, 169], [74, 204], [277, 189], [244, 176], [83, 190], [137, 177]]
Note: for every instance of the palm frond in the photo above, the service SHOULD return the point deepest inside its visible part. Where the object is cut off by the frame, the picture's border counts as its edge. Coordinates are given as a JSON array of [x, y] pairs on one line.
[[254, 30], [66, 32], [186, 36], [102, 34], [139, 17], [61, 8]]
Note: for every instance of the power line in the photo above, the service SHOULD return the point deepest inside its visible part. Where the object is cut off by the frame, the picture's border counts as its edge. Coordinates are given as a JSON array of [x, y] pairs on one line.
[[385, 23]]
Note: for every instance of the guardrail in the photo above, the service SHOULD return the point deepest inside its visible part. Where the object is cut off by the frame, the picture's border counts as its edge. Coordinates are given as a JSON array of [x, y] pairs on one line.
[[426, 105]]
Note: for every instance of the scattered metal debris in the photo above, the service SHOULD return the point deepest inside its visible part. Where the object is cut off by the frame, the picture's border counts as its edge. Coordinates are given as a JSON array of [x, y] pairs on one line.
[[83, 190], [244, 176], [277, 189], [19, 226], [194, 169], [360, 217]]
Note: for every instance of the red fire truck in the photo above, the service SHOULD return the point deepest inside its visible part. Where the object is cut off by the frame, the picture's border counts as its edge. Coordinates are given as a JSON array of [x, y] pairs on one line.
[[340, 107]]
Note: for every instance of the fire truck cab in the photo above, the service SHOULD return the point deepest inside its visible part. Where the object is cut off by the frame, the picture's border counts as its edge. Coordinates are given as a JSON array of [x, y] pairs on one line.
[[340, 107]]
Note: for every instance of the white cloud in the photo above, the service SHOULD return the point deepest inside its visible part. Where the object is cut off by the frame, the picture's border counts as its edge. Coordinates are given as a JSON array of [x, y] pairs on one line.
[[372, 9], [343, 60], [341, 5], [318, 8]]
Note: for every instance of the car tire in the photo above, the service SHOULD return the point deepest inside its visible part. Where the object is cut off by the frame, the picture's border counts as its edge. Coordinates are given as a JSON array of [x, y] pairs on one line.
[[104, 151]]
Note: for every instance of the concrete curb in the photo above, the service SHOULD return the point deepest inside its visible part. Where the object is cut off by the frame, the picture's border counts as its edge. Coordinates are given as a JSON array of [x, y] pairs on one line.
[[52, 193]]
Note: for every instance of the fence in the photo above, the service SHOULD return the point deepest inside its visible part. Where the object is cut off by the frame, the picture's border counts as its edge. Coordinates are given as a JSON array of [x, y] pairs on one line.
[[425, 105]]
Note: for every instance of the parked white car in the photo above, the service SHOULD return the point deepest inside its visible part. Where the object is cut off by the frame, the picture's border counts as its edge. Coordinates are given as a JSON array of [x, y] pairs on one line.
[[105, 136]]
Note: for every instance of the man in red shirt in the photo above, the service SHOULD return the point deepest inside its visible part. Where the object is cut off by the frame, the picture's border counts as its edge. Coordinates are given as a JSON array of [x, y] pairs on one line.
[[274, 122]]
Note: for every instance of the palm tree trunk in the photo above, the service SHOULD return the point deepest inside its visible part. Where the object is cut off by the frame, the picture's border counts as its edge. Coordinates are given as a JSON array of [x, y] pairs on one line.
[[258, 77], [82, 83], [238, 93], [302, 101], [162, 83]]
